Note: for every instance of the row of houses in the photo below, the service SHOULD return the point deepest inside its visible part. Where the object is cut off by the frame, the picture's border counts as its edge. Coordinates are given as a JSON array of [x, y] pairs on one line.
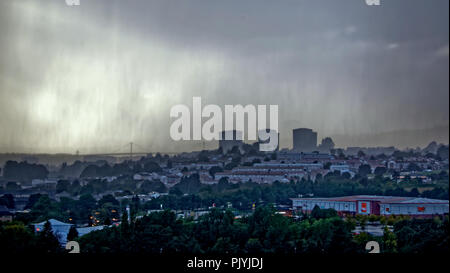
[[282, 172]]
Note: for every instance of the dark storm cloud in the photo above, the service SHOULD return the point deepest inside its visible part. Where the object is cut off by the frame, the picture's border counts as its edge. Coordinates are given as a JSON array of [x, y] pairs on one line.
[[97, 76]]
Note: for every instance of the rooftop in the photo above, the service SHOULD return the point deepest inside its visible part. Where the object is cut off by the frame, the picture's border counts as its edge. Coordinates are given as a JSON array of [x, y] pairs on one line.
[[54, 223], [381, 199]]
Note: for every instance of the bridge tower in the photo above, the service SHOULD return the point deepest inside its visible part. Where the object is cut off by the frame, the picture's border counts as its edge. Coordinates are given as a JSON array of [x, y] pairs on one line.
[[131, 151]]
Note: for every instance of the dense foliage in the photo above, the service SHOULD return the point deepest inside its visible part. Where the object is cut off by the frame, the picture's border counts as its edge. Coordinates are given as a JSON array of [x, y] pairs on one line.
[[24, 171], [221, 232], [15, 237]]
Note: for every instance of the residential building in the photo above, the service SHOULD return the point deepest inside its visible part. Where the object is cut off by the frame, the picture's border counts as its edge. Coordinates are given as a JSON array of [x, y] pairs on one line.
[[304, 140]]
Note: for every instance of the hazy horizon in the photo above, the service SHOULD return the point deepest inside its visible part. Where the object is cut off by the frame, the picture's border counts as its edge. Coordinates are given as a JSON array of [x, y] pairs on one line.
[[398, 139], [100, 75]]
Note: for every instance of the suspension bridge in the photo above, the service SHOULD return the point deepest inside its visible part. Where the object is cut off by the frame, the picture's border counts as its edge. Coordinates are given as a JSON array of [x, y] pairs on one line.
[[131, 152]]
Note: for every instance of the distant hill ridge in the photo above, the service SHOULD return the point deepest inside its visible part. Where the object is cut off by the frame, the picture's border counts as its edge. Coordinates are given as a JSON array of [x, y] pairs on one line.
[[400, 139]]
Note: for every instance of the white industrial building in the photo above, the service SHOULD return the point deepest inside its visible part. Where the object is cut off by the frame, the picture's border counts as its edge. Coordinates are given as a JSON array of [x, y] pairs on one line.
[[376, 205]]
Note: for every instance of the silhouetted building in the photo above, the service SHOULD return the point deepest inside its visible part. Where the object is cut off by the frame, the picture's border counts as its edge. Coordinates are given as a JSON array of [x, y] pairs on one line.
[[230, 139], [305, 140], [5, 214]]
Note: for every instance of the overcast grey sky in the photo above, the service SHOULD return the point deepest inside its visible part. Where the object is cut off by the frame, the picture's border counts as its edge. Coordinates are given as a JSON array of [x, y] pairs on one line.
[[97, 76]]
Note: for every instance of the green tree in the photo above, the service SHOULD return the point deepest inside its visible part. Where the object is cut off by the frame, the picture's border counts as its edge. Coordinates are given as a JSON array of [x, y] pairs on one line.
[[62, 185], [253, 245], [273, 156], [364, 170], [152, 167], [124, 225], [389, 241], [443, 152], [7, 200], [73, 233], [47, 241], [16, 238], [379, 171], [215, 169]]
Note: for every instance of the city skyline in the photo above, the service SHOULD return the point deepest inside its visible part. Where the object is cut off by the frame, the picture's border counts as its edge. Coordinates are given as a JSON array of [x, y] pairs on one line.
[[128, 149]]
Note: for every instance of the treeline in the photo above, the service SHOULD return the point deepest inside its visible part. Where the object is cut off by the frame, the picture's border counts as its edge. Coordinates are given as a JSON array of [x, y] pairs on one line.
[[220, 232], [102, 168], [262, 232], [85, 210], [7, 200], [125, 185], [126, 167], [24, 171]]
